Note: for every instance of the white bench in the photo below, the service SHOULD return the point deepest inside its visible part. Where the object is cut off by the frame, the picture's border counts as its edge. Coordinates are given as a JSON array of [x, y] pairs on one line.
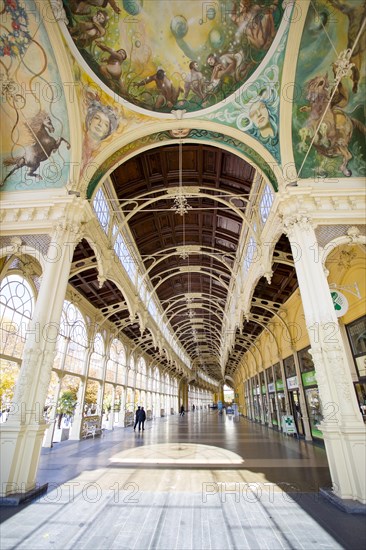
[[92, 428]]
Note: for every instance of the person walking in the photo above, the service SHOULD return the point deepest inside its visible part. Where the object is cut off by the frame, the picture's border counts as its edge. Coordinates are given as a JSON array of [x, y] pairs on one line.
[[182, 410], [141, 419], [136, 417]]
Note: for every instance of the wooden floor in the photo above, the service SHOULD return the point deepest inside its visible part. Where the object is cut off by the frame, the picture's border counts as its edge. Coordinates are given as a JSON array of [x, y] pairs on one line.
[[201, 481]]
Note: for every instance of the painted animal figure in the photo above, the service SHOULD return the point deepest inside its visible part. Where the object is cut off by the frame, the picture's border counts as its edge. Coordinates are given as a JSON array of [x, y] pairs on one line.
[[355, 11], [331, 126], [40, 127]]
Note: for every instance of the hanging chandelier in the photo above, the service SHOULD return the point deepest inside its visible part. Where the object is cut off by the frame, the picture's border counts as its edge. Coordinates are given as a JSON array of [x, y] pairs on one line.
[[181, 205]]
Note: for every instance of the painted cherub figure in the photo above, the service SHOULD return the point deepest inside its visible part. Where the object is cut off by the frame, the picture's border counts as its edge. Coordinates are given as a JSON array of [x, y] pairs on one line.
[[111, 67], [85, 32], [168, 94]]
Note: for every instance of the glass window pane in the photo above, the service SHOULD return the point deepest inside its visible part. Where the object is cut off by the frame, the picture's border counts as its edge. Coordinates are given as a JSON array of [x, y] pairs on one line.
[[305, 360], [289, 364], [357, 335]]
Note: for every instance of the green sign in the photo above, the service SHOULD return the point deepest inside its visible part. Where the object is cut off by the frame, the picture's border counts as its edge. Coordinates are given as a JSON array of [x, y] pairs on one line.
[[309, 378], [288, 424], [340, 303], [279, 385], [263, 389]]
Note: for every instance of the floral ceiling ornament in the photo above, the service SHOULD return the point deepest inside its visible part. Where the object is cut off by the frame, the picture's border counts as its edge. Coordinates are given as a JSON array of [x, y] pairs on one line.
[[181, 205], [184, 254], [346, 257]]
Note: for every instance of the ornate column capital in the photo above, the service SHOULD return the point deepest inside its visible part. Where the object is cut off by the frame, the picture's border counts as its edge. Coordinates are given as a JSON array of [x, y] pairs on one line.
[[73, 229], [296, 221]]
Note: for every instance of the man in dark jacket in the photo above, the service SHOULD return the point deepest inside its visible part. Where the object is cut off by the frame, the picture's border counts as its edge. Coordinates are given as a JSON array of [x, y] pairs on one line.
[[136, 417], [141, 418]]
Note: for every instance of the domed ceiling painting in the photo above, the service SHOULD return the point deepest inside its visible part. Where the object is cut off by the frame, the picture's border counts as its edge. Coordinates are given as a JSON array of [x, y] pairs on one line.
[[166, 55]]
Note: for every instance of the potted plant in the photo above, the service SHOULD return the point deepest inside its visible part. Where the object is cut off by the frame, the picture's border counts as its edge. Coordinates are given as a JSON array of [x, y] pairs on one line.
[[66, 405]]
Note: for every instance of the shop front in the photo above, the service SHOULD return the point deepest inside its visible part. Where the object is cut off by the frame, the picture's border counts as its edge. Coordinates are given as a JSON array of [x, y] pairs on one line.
[[272, 397], [265, 404], [356, 332], [257, 410], [311, 392], [280, 391], [292, 384], [294, 398], [264, 398], [247, 399], [313, 403]]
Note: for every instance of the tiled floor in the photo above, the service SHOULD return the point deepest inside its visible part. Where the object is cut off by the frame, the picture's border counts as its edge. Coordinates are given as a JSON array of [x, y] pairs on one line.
[[198, 482]]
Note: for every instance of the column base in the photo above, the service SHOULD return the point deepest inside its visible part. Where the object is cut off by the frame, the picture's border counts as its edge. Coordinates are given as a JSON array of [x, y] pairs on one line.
[[14, 499], [347, 505], [346, 453], [20, 452]]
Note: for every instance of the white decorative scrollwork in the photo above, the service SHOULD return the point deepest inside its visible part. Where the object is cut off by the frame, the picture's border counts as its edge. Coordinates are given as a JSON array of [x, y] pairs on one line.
[[16, 243], [353, 233], [58, 11], [342, 65]]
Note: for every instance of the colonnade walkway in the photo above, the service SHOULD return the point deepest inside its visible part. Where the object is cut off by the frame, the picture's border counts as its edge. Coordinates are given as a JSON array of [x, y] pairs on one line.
[[202, 481]]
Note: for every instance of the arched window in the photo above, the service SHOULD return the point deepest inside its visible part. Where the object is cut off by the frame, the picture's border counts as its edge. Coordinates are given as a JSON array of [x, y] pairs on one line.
[[122, 366], [17, 303], [266, 203], [166, 384], [141, 374], [97, 358], [17, 307], [251, 251], [138, 374], [131, 373], [72, 343], [149, 375], [112, 363], [156, 380], [101, 208]]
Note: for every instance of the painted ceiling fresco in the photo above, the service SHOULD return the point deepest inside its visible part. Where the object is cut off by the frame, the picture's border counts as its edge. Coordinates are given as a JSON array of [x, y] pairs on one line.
[[165, 55], [35, 150], [255, 108], [329, 104]]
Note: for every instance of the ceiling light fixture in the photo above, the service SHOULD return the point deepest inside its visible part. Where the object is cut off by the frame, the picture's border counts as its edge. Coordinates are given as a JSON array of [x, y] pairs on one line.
[[181, 205]]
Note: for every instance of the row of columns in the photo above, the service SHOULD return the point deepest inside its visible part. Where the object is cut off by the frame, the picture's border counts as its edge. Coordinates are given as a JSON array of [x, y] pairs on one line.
[[153, 400], [22, 435], [343, 428]]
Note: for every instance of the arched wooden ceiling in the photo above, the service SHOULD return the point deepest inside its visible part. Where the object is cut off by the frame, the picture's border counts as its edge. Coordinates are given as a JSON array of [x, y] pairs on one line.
[[189, 259]]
